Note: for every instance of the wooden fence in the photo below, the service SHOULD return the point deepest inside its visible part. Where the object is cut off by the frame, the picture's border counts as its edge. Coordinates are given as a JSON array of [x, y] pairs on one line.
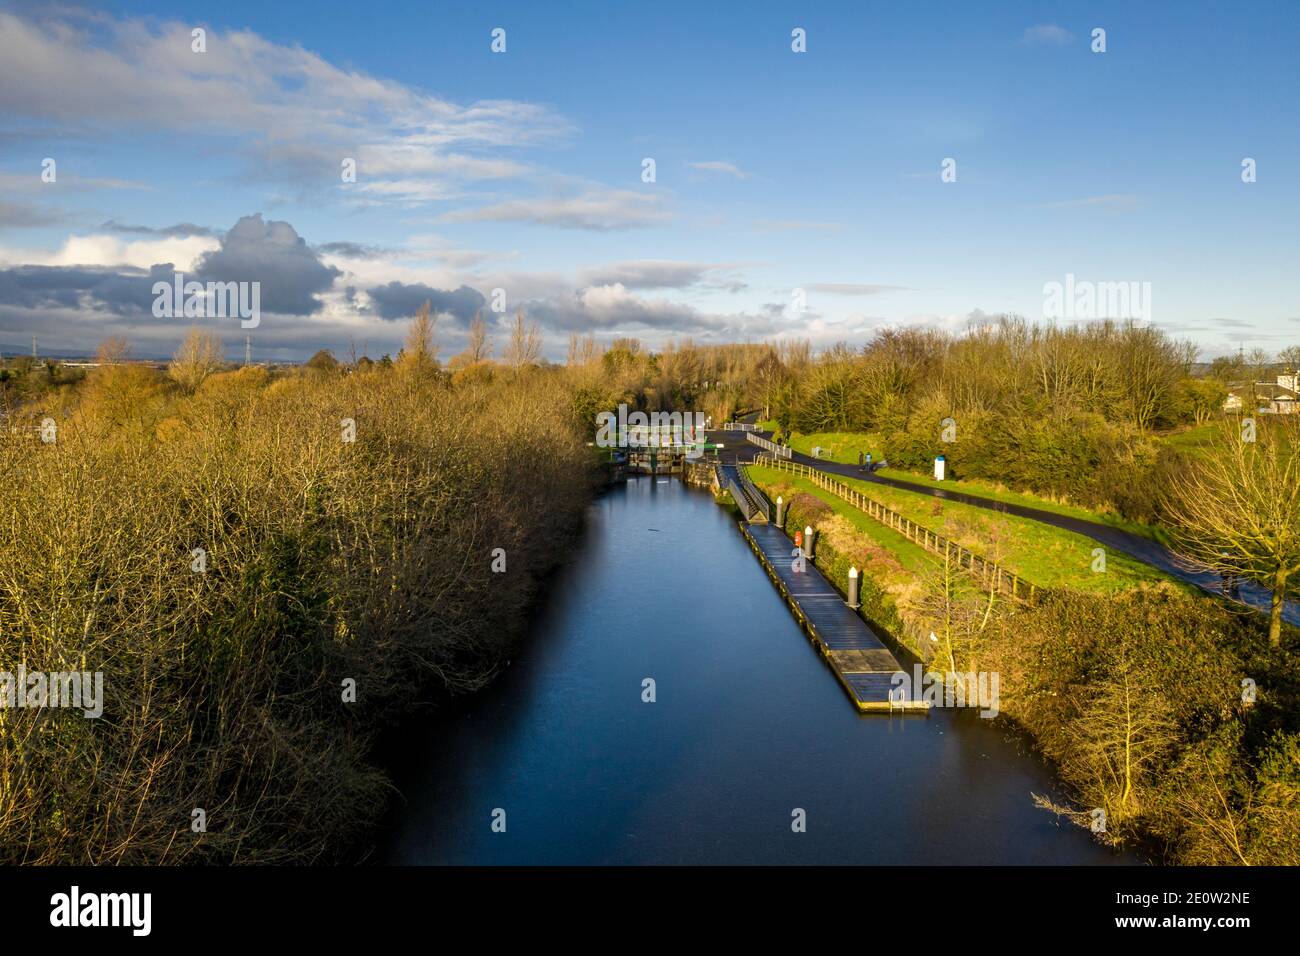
[[989, 573], [779, 451]]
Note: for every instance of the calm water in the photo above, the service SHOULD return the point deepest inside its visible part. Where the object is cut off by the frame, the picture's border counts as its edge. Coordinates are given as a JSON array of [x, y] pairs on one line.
[[749, 724]]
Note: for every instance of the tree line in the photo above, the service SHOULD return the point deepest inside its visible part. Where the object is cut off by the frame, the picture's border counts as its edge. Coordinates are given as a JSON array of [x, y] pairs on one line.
[[268, 566]]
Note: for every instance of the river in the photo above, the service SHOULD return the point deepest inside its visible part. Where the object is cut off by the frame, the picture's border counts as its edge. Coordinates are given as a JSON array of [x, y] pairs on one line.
[[748, 725]]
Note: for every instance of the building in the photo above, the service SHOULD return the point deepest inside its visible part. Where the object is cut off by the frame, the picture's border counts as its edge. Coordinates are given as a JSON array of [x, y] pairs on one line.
[[1268, 398]]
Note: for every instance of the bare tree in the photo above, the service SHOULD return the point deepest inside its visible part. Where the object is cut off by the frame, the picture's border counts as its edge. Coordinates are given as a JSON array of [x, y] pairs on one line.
[[525, 346], [952, 607], [769, 376], [112, 351], [199, 356], [1120, 735], [479, 347], [1238, 510], [420, 351], [1150, 367]]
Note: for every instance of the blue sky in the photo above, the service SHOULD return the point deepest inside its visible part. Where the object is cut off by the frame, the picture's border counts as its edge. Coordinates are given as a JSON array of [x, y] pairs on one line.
[[775, 170]]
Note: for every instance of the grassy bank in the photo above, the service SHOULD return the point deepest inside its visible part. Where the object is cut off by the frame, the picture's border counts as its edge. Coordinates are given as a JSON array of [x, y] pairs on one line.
[[844, 447], [1042, 554], [1135, 694]]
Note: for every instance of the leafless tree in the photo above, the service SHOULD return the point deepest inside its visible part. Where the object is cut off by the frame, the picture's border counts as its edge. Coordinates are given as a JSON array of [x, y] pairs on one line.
[[112, 351], [199, 355], [1238, 510], [420, 351], [525, 346], [479, 347]]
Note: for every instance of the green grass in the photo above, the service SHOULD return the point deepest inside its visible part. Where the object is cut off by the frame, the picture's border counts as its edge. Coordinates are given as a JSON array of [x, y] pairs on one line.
[[911, 556], [1039, 553], [1196, 441], [1202, 439], [844, 448], [996, 492]]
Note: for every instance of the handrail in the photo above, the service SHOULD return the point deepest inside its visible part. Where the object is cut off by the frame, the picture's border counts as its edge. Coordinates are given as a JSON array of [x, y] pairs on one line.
[[990, 573], [780, 451], [756, 497]]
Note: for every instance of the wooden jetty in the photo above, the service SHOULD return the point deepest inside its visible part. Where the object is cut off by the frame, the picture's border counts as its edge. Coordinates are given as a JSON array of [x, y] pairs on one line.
[[864, 666]]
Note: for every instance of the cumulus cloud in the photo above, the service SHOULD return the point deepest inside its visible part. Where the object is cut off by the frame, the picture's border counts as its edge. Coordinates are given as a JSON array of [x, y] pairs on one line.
[[272, 253], [617, 308], [101, 249], [121, 291], [398, 300], [86, 291]]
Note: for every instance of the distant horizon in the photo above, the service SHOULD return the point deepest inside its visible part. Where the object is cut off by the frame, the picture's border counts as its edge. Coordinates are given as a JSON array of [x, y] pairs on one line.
[[782, 175]]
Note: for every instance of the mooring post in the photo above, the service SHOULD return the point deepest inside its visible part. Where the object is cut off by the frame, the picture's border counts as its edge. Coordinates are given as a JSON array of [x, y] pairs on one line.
[[808, 543], [780, 512], [853, 589]]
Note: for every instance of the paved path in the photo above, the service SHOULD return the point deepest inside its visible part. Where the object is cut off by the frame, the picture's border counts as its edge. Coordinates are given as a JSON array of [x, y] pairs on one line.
[[1116, 539]]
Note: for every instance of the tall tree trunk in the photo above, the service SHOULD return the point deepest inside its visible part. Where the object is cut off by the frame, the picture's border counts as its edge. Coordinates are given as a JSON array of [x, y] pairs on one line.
[[1275, 609]]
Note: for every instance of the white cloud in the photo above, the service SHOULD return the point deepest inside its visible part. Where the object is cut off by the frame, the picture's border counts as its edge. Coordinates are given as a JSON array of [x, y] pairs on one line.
[[298, 114], [1047, 33], [853, 288], [110, 250], [1113, 202], [719, 166], [598, 209], [661, 274]]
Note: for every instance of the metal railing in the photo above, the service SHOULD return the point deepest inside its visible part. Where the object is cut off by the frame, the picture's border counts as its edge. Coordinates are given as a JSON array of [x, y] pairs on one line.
[[747, 498], [779, 451], [756, 497], [740, 427], [989, 573]]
